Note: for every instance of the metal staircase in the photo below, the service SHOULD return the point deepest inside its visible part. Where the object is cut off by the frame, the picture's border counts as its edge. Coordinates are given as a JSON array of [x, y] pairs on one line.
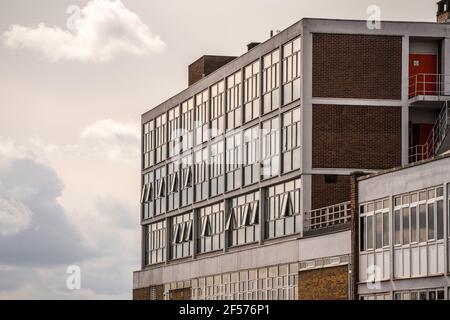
[[438, 141]]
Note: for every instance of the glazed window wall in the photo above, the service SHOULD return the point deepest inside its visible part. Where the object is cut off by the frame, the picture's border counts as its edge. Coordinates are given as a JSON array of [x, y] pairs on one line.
[[217, 109], [201, 174], [251, 91], [173, 185], [148, 144], [155, 243], [242, 221], [283, 209], [210, 225], [216, 168], [147, 196], [187, 124], [270, 151], [267, 283], [160, 138], [186, 180], [174, 131], [233, 161], [160, 191], [181, 236], [234, 100], [271, 81], [201, 120], [251, 155], [291, 140], [291, 71]]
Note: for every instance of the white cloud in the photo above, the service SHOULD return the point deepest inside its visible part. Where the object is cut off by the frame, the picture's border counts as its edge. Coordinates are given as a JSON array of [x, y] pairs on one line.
[[105, 29], [115, 140], [14, 217]]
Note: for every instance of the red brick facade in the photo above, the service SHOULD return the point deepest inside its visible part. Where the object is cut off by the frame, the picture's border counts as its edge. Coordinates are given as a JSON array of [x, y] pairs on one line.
[[323, 284], [206, 65], [357, 66], [325, 193], [360, 137]]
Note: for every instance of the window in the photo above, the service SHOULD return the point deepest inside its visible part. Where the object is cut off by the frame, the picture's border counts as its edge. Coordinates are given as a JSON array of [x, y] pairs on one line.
[[251, 156], [370, 232], [233, 161], [234, 100], [160, 138], [216, 168], [271, 82], [421, 214], [201, 174], [270, 161], [217, 108], [147, 196], [251, 91], [155, 242], [181, 236], [211, 226], [362, 233], [149, 144], [423, 294], [283, 209], [242, 219], [201, 122], [173, 188], [291, 140], [174, 126], [186, 180], [291, 71], [375, 228], [440, 220], [160, 191], [187, 124]]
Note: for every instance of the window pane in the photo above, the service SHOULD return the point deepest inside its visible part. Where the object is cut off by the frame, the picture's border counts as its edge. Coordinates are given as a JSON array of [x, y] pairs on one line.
[[405, 212], [414, 224], [370, 232], [430, 221], [378, 228], [362, 233], [386, 229], [397, 226], [440, 220], [422, 223]]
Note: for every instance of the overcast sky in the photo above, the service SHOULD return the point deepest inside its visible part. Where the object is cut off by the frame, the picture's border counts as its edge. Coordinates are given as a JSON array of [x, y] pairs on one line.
[[75, 76]]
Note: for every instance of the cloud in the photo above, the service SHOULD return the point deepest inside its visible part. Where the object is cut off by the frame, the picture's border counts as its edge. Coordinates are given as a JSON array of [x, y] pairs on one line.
[[14, 217], [34, 227], [98, 33], [118, 141]]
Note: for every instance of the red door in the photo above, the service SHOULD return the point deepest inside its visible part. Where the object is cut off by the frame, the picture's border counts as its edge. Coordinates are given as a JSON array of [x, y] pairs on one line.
[[422, 74]]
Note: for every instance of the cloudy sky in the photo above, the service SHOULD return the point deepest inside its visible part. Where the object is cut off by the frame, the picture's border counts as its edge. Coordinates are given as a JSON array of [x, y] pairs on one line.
[[75, 76]]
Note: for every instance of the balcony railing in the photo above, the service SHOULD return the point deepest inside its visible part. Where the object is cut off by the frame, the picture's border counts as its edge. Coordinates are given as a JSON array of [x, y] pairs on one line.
[[429, 84], [435, 139], [327, 217]]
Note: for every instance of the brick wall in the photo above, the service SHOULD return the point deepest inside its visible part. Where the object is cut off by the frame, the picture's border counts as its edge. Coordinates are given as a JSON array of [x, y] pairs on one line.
[[206, 65], [360, 137], [149, 293], [325, 194], [357, 66], [323, 284], [180, 294]]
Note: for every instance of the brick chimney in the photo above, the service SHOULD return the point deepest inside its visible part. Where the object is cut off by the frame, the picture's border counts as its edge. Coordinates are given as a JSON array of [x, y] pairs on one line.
[[206, 65], [442, 15]]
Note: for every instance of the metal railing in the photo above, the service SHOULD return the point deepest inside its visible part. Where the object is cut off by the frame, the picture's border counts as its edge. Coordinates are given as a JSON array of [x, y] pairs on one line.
[[327, 216], [435, 139], [427, 84]]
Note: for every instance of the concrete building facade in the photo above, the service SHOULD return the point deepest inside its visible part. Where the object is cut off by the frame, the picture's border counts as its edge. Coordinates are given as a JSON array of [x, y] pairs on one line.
[[248, 184]]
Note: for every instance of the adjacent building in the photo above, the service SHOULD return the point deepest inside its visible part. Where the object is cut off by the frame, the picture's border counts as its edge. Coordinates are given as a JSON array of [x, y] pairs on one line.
[[271, 176]]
